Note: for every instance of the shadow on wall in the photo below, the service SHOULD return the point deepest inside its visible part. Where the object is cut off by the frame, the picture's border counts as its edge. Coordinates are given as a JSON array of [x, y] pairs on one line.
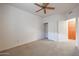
[[53, 36]]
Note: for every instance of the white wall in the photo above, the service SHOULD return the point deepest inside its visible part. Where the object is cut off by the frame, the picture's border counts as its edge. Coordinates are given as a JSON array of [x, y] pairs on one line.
[[63, 29], [53, 26], [18, 27]]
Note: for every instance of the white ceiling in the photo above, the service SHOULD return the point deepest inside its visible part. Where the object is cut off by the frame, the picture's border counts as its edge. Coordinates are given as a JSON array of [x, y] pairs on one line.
[[61, 8]]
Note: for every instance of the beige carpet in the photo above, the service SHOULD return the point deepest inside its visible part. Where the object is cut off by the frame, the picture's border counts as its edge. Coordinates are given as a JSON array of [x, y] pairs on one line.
[[44, 48]]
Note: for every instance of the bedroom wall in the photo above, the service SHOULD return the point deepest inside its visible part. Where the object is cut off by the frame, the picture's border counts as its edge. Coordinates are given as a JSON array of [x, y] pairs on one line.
[[18, 27], [63, 29], [53, 26]]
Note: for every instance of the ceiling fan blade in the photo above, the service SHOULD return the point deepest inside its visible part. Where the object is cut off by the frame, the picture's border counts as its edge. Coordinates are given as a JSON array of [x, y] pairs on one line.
[[37, 4], [44, 11], [50, 8], [39, 10], [46, 4]]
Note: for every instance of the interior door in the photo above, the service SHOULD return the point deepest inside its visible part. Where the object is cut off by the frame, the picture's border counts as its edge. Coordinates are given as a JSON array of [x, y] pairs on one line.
[[72, 29]]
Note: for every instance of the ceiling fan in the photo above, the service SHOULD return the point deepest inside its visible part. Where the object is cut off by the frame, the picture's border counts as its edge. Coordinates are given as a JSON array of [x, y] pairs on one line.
[[44, 7]]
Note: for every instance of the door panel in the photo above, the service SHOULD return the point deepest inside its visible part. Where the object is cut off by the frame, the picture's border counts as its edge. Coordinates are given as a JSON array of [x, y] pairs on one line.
[[72, 29]]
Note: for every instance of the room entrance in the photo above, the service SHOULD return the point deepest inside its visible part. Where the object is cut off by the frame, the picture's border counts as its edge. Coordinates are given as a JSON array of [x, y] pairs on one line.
[[45, 30], [72, 29]]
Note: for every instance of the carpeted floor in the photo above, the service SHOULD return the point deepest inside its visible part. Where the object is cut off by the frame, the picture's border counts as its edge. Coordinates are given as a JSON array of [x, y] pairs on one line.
[[44, 48]]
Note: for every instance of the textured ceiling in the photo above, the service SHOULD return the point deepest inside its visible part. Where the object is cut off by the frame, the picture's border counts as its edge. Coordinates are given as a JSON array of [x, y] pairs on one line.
[[60, 8]]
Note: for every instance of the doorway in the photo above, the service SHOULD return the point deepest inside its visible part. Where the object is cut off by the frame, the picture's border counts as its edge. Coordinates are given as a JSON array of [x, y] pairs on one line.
[[72, 29], [45, 30]]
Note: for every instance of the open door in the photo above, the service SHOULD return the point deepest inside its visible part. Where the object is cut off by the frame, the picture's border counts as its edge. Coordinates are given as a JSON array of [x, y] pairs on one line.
[[72, 29], [45, 30]]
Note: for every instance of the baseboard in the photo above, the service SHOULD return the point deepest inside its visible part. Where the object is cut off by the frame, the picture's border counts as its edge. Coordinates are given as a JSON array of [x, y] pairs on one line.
[[17, 46]]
